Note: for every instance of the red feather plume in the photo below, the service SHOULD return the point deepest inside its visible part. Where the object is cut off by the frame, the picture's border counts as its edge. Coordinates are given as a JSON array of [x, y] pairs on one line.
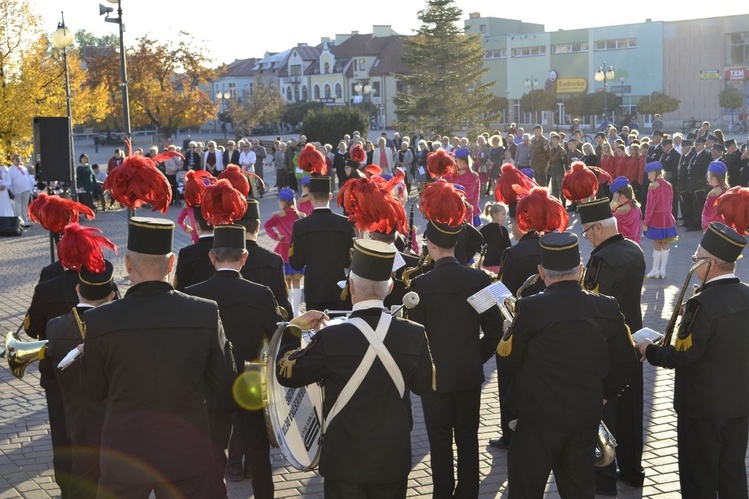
[[443, 203], [312, 161], [137, 182], [541, 212], [510, 177], [580, 183], [440, 164], [222, 203], [56, 212], [372, 170], [237, 179], [166, 155], [371, 205], [733, 206], [358, 154], [36, 205], [195, 184], [82, 247]]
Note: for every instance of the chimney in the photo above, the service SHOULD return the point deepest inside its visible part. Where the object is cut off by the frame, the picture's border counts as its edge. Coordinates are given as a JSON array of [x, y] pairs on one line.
[[474, 15]]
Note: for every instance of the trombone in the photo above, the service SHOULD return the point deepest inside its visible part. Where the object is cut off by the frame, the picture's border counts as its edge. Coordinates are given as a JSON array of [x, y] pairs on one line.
[[666, 340]]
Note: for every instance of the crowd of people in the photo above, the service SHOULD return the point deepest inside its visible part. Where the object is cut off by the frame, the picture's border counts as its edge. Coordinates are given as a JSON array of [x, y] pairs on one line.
[[158, 413]]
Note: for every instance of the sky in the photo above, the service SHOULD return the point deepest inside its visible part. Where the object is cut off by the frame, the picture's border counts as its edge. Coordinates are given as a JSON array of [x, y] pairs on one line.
[[240, 30]]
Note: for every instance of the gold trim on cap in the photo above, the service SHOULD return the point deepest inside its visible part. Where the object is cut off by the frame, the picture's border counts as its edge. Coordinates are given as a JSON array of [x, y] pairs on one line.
[[229, 226], [595, 202], [153, 226], [719, 233], [561, 248], [434, 224], [375, 254], [95, 283]]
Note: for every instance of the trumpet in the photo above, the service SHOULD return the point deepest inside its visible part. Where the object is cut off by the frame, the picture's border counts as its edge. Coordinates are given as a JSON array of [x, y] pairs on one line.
[[507, 305], [666, 340], [21, 354]]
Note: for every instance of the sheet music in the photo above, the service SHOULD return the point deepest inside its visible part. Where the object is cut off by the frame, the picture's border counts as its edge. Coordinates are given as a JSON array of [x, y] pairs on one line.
[[399, 261], [646, 334], [489, 296]]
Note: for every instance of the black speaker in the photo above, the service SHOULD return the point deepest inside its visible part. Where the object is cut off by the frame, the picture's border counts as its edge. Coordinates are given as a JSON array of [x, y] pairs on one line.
[[52, 148]]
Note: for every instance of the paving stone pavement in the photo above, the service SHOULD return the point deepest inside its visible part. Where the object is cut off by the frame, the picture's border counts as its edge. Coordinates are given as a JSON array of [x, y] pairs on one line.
[[25, 448]]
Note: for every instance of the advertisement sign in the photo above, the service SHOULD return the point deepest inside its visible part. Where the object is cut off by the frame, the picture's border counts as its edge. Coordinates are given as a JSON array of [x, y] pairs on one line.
[[709, 74], [736, 73], [572, 85]]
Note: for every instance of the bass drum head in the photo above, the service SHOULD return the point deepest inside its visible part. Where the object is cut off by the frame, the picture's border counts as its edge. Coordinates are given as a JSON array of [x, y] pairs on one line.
[[294, 415]]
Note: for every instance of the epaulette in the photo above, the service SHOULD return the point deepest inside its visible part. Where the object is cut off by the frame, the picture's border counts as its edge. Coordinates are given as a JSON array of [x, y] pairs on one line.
[[684, 337], [592, 273]]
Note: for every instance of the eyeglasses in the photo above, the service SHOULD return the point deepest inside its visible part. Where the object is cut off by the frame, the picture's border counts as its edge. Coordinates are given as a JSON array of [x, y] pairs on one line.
[[696, 258], [585, 232]]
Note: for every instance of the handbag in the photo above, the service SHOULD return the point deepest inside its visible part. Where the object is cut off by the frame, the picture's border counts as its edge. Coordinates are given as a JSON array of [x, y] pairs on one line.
[[10, 194]]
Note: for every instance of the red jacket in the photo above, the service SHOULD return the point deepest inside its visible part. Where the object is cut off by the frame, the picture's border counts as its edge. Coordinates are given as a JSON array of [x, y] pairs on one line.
[[658, 208]]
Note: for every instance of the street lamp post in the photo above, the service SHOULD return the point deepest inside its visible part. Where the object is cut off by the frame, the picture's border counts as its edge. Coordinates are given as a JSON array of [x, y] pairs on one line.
[[621, 83], [62, 39], [123, 65], [604, 74], [363, 90], [532, 83], [222, 97]]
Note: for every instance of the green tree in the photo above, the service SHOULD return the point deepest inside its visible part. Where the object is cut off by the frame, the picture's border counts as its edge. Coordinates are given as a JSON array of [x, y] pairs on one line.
[[329, 124], [538, 100], [296, 112], [443, 89], [594, 103], [263, 105], [85, 39], [657, 102], [731, 98]]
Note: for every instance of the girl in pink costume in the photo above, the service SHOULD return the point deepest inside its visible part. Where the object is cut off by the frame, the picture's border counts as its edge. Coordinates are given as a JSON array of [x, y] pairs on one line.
[[469, 179], [626, 209], [659, 224], [716, 177]]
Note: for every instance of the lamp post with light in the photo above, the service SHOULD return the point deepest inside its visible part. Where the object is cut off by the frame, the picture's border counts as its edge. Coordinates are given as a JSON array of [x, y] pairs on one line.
[[604, 74], [222, 97], [62, 38], [363, 90], [532, 83], [123, 64]]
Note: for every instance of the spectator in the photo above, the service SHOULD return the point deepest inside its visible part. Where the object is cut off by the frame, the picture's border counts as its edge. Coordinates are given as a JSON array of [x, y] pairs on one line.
[[20, 185], [86, 182]]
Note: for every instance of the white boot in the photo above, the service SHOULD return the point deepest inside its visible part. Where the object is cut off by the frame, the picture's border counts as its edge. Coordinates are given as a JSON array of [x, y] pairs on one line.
[[664, 261], [296, 299], [656, 265]]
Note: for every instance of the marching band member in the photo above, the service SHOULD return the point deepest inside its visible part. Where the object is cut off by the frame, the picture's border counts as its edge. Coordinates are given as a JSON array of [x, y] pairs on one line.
[[571, 352], [536, 213], [711, 358], [617, 268], [366, 449], [453, 327]]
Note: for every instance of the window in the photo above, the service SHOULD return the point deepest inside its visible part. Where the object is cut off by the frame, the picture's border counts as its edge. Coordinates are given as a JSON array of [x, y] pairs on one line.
[[327, 91], [304, 93], [496, 54], [296, 70], [529, 51], [622, 43], [376, 89], [568, 48], [316, 92], [362, 64], [327, 67], [338, 91], [296, 94], [738, 48], [355, 65], [288, 94]]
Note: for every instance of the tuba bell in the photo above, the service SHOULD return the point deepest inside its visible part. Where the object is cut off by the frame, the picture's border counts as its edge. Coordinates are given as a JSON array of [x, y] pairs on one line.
[[605, 446], [22, 353]]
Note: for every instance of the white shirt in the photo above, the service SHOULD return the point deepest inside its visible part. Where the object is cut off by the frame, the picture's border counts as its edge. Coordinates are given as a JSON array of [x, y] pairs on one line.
[[247, 160], [365, 304], [19, 178], [724, 276]]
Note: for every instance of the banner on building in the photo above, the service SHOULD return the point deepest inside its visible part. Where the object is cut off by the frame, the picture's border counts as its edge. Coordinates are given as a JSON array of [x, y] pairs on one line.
[[572, 85]]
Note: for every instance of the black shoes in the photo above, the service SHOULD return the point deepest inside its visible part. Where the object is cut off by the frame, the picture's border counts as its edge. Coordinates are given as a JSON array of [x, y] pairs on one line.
[[234, 473], [633, 481], [499, 443], [606, 492]]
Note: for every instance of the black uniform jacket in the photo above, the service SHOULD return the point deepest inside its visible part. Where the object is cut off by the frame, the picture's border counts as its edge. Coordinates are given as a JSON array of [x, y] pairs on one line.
[[711, 354], [266, 268], [369, 440], [617, 268], [52, 298], [50, 271], [670, 161], [469, 243], [399, 287], [733, 165], [683, 183], [569, 349], [193, 264], [322, 242], [521, 261], [83, 417], [248, 312], [698, 171], [453, 326], [497, 239], [154, 355]]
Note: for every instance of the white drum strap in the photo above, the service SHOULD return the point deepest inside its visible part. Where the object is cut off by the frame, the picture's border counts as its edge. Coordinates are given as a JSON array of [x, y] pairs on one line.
[[376, 349]]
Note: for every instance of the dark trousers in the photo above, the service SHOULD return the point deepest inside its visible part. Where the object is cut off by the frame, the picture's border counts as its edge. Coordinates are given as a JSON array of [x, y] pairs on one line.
[[292, 181], [506, 411], [623, 417], [220, 424], [687, 209], [281, 180], [445, 415], [85, 472], [642, 196], [537, 451], [711, 457], [556, 174], [700, 196], [182, 489], [339, 489], [250, 425], [173, 183], [62, 458]]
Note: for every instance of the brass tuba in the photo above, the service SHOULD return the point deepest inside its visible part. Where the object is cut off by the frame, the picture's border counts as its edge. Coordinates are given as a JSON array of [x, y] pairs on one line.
[[666, 340], [22, 353], [605, 446]]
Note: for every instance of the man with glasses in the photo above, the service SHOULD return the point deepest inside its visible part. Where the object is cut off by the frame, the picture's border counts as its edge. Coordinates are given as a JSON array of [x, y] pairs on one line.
[[711, 358], [617, 268], [193, 160]]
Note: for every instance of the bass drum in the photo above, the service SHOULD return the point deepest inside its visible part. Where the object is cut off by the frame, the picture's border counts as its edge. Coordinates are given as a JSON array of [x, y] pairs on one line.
[[293, 416]]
